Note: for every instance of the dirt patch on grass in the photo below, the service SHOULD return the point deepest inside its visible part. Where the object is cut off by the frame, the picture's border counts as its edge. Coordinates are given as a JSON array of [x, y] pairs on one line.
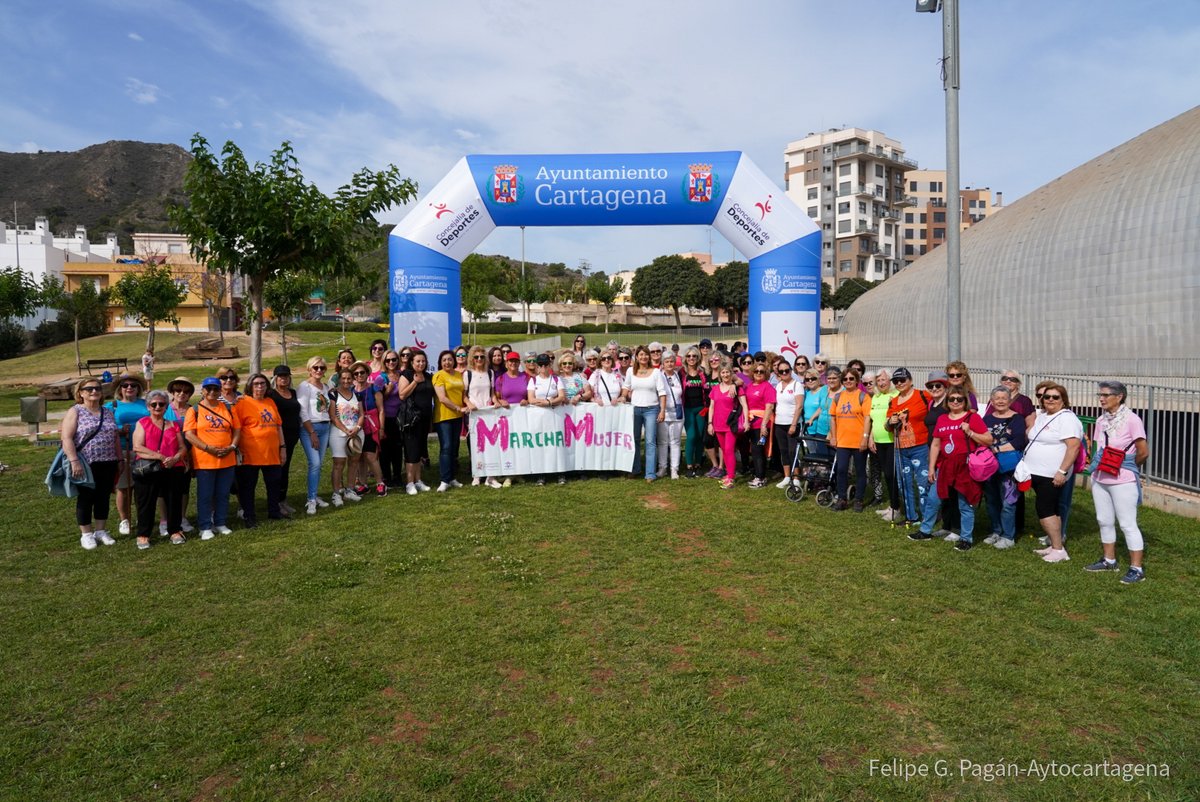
[[1108, 633], [838, 762], [600, 678], [681, 666], [210, 787], [624, 586], [866, 687], [315, 740], [722, 685], [726, 594], [514, 677], [388, 693], [1074, 616], [407, 728], [658, 501], [691, 543]]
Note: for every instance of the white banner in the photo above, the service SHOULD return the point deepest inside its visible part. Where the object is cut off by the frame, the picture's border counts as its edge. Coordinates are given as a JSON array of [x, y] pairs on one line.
[[524, 440]]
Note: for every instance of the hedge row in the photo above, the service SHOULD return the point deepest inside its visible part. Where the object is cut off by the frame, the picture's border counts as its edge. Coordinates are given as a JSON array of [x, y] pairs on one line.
[[327, 325], [518, 327]]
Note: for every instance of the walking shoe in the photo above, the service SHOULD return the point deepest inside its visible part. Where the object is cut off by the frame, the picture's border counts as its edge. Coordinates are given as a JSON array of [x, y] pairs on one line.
[[455, 483], [285, 508], [494, 484], [336, 498], [186, 526], [884, 511], [1004, 543], [837, 506], [123, 527], [726, 483], [1044, 540], [223, 530], [178, 539], [88, 540], [784, 482], [1101, 565], [143, 543], [475, 482], [381, 489], [858, 507], [1133, 576], [507, 482], [562, 480], [311, 507], [963, 545], [162, 528], [411, 489], [361, 490], [207, 534], [1057, 556], [889, 514], [1043, 552], [991, 539], [540, 482], [675, 474], [944, 534], [104, 537], [352, 495], [754, 484], [713, 473], [919, 535], [443, 487], [424, 488], [320, 501]]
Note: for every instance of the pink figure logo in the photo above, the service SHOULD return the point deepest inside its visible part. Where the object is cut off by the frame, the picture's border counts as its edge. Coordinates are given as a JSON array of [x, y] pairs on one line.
[[790, 347], [418, 342], [764, 208], [441, 210]]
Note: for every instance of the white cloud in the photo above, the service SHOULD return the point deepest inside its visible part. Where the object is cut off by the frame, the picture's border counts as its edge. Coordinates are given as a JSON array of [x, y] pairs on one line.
[[465, 135], [135, 36], [141, 92]]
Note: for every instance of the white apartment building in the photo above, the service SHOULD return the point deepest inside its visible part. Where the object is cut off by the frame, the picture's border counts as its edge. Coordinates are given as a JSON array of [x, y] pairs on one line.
[[851, 181], [38, 252], [925, 220]]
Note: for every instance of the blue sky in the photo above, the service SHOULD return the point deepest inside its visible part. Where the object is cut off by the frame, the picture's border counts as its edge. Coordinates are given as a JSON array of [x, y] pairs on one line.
[[1046, 86]]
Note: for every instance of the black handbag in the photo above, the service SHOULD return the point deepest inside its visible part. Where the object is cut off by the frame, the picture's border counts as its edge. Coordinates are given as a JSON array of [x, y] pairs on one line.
[[143, 467]]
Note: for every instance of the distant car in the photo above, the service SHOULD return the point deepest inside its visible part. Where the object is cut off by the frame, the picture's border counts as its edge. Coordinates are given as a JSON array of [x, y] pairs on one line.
[[331, 318]]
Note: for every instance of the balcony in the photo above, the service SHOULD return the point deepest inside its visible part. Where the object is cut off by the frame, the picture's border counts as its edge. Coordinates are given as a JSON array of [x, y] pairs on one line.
[[890, 214], [866, 228], [905, 200], [851, 150]]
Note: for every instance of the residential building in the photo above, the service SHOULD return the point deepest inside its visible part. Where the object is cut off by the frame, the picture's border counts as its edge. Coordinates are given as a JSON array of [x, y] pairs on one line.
[[851, 181], [925, 221]]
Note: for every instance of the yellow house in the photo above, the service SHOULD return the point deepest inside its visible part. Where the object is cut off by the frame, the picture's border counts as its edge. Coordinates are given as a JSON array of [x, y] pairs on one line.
[[208, 294]]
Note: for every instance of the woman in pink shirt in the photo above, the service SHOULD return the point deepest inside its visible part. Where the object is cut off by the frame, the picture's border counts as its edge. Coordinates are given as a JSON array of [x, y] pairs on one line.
[[724, 400], [760, 403]]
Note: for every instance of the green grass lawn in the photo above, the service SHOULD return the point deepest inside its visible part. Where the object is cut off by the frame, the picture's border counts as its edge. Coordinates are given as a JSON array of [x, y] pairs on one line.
[[603, 640]]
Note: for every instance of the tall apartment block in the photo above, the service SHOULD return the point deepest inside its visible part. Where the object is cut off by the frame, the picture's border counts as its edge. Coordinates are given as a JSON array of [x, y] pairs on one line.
[[851, 181], [925, 221]]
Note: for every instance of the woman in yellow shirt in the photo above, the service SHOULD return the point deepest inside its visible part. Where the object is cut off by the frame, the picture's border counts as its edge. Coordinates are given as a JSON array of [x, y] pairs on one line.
[[448, 418]]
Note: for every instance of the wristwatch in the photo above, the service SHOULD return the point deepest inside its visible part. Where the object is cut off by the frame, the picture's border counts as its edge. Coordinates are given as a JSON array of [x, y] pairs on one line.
[[1064, 473]]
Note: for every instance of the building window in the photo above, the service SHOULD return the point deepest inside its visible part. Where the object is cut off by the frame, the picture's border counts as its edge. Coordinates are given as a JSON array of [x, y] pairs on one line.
[[844, 169], [843, 226], [175, 247], [845, 245], [812, 211], [844, 265], [812, 193], [983, 203], [887, 229], [935, 186], [923, 250], [939, 233], [923, 220], [908, 233], [939, 217], [862, 207], [879, 171], [909, 250], [844, 207], [908, 217], [844, 188], [971, 204], [920, 233], [912, 186], [862, 266]]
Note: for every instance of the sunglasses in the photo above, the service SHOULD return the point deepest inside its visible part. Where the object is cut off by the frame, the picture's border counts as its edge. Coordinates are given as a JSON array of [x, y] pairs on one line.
[[581, 340], [900, 381], [1048, 397], [157, 404], [460, 356], [258, 383], [377, 348], [391, 359], [590, 358], [956, 399], [478, 358], [1012, 379], [811, 379], [530, 361], [624, 356], [1105, 395], [659, 351], [405, 354], [784, 371], [955, 375], [186, 391], [606, 359], [820, 362], [868, 384], [514, 361], [935, 386], [361, 373], [229, 379], [568, 364], [92, 389], [318, 368], [127, 386], [760, 373]]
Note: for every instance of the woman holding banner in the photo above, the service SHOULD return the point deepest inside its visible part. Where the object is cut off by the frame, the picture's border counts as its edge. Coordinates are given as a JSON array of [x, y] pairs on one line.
[[546, 390], [606, 382], [479, 393]]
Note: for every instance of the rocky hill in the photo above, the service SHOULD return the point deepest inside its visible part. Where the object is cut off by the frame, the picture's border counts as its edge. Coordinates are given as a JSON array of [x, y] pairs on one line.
[[117, 186]]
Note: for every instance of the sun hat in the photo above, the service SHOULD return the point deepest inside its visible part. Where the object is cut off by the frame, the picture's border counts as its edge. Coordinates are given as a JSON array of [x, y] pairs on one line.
[[125, 377], [184, 380]]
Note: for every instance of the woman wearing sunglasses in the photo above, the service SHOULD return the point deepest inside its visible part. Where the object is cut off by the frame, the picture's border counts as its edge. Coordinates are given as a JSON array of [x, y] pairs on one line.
[[366, 471], [448, 391], [90, 434], [960, 379], [644, 389], [1054, 442], [213, 433], [128, 408], [760, 405], [378, 349], [1116, 480], [881, 445], [158, 440], [695, 405], [387, 399], [478, 393], [818, 388], [314, 418], [345, 437], [955, 435], [579, 348], [284, 395], [262, 449], [850, 433], [788, 410]]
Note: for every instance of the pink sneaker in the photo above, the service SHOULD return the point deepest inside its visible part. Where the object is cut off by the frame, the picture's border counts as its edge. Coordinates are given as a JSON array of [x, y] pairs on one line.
[[1043, 552], [1057, 556]]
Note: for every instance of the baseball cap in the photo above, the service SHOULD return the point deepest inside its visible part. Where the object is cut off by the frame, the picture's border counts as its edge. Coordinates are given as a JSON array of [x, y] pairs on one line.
[[512, 355], [282, 370], [706, 343], [901, 374], [543, 359], [211, 381], [531, 354]]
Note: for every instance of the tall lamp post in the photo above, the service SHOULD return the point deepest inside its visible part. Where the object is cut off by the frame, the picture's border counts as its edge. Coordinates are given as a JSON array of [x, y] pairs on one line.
[[524, 305], [950, 83]]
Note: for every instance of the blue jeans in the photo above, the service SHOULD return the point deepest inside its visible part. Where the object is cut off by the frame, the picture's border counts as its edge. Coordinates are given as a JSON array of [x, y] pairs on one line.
[[841, 473], [1003, 514], [1064, 502], [914, 479], [212, 496], [933, 505], [449, 433], [645, 418], [314, 455]]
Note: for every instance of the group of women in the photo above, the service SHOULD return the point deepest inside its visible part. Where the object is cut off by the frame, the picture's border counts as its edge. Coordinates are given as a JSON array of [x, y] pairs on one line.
[[699, 412]]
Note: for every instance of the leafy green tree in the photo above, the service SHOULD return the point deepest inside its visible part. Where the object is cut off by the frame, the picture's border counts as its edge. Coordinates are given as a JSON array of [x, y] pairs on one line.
[[826, 296], [476, 303], [488, 272], [556, 270], [526, 291], [18, 294], [286, 294], [151, 295], [849, 292], [671, 281], [731, 285], [85, 310], [603, 290], [256, 220]]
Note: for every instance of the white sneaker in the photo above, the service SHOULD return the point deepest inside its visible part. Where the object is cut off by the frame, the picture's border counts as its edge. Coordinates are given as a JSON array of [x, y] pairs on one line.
[[411, 489], [443, 487], [455, 483], [507, 482], [494, 484], [186, 526], [320, 501], [475, 482], [207, 534], [562, 480], [991, 539], [223, 530], [888, 515], [104, 537], [784, 482], [675, 474], [311, 508], [884, 511], [162, 528], [1056, 556], [123, 528], [88, 540], [350, 495], [950, 537], [336, 498], [1004, 543], [424, 488]]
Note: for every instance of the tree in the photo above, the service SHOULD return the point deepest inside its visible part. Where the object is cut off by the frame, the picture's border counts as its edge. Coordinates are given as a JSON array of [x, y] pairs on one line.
[[476, 303], [603, 290], [18, 294], [256, 220], [527, 292], [85, 310], [486, 271], [671, 281], [214, 289], [286, 294], [151, 295], [826, 296], [849, 292], [731, 286]]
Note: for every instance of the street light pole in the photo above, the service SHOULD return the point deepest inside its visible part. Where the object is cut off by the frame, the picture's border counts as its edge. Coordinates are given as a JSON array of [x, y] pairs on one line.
[[950, 81], [524, 303]]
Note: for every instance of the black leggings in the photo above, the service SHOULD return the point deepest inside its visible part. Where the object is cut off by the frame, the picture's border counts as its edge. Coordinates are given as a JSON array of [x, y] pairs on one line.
[[887, 463], [92, 502], [170, 484], [247, 482], [391, 452], [758, 454]]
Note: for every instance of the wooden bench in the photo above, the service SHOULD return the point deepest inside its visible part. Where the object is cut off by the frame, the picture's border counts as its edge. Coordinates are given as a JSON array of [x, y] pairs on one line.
[[102, 365]]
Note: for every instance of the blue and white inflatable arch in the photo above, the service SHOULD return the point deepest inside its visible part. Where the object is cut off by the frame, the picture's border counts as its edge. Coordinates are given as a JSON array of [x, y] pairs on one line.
[[722, 189]]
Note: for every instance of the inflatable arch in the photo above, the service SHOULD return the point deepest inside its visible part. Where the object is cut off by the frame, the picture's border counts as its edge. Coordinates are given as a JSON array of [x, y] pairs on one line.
[[722, 189]]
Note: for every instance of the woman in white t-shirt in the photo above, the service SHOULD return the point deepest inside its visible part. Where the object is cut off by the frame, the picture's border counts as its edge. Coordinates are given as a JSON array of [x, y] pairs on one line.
[[1054, 442], [314, 419], [787, 417], [670, 428], [546, 390], [606, 382], [643, 387], [478, 393], [1117, 488]]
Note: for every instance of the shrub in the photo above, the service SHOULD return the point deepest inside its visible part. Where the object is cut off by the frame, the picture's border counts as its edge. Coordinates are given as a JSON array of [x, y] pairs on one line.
[[52, 332], [12, 339], [325, 325]]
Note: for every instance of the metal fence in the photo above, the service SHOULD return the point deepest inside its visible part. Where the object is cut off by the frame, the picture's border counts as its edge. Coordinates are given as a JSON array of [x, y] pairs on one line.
[[688, 336], [1171, 415]]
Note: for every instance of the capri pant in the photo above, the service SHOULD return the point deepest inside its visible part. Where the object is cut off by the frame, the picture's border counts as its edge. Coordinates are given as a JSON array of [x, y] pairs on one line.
[[1118, 504]]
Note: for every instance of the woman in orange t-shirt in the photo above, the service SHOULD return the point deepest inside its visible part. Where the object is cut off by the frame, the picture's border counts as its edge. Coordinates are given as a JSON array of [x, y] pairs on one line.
[[262, 448], [850, 431], [212, 430]]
